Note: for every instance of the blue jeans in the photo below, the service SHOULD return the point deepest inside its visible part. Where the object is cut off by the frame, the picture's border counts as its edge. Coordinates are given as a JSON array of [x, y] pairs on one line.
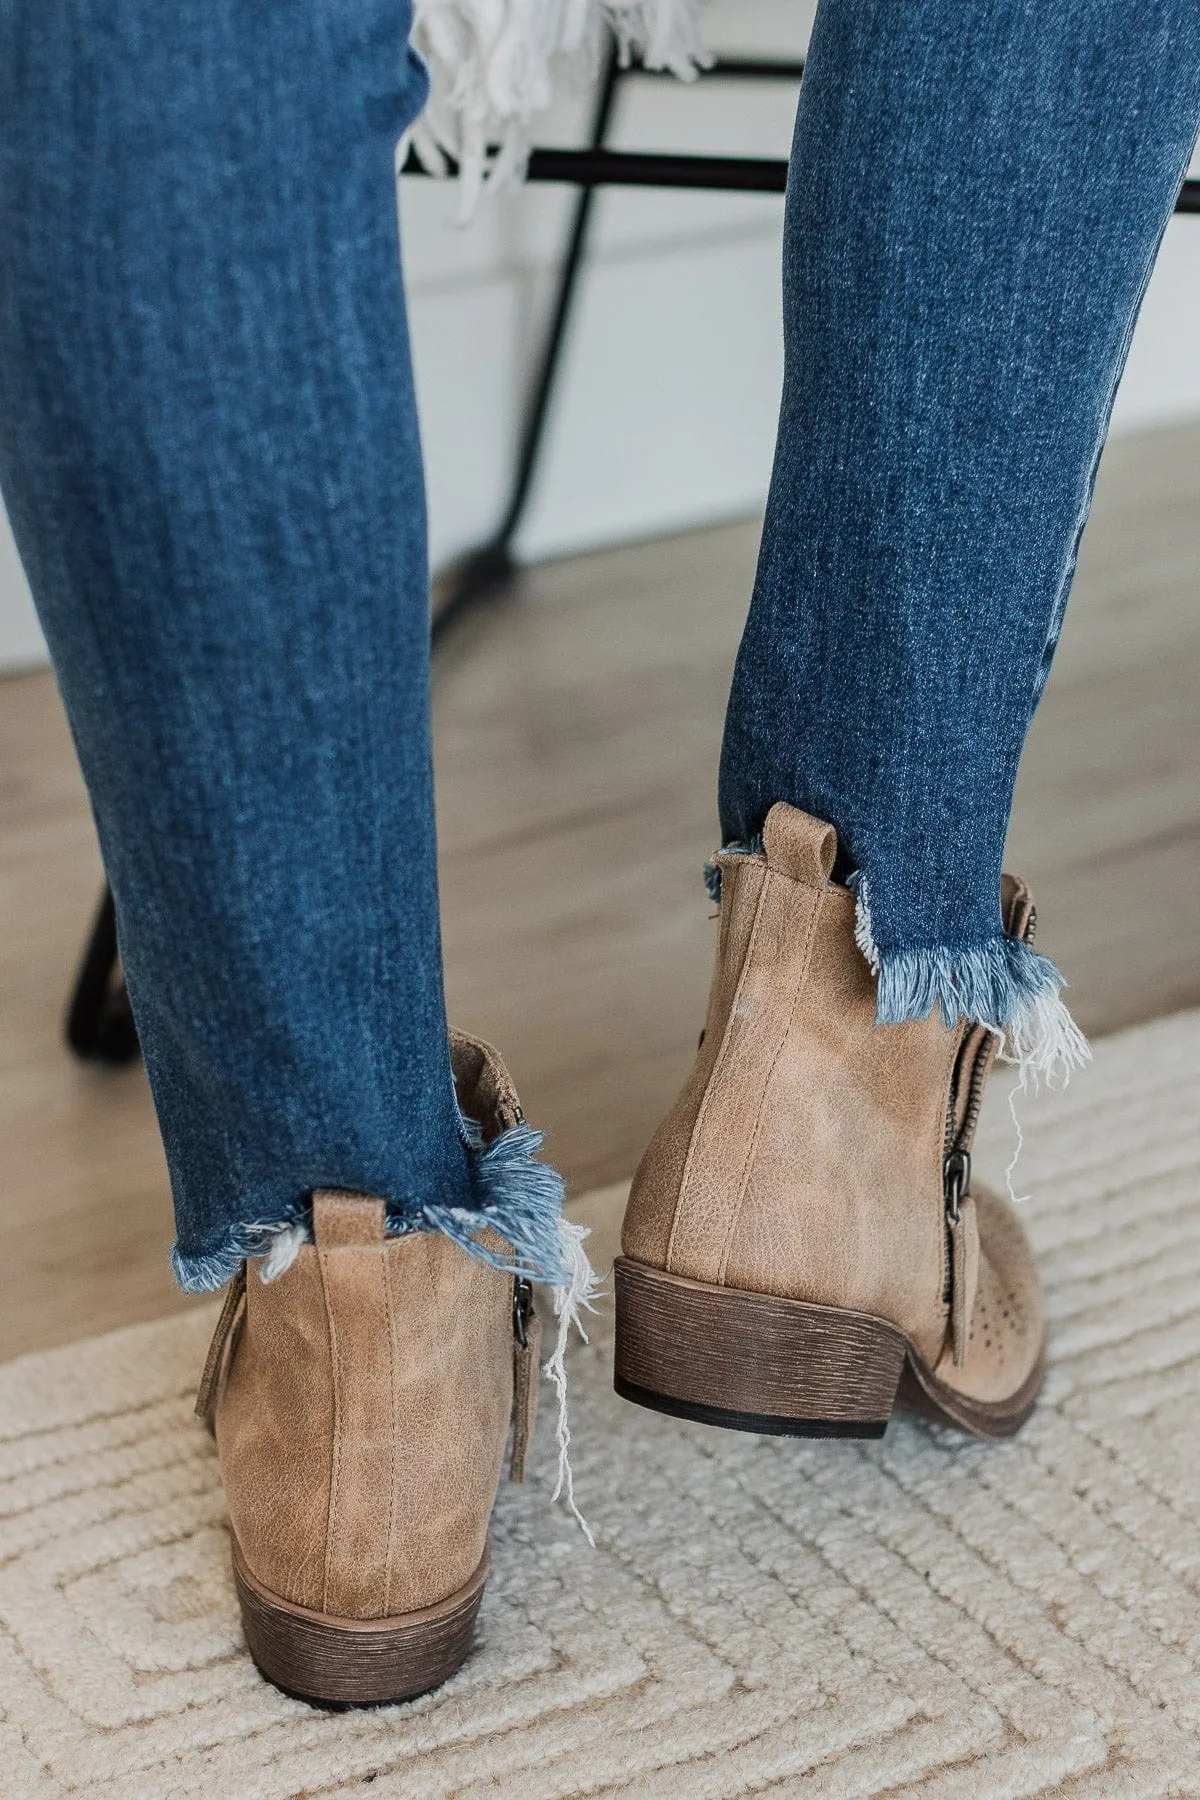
[[976, 201], [209, 452]]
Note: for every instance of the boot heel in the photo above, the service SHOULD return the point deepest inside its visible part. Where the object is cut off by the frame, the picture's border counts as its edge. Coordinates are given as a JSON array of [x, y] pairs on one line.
[[355, 1662], [752, 1362]]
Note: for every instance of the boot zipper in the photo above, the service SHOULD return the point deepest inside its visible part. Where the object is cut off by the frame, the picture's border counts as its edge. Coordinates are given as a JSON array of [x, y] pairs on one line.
[[960, 1140], [956, 1183], [527, 1337], [522, 1306], [962, 1247], [956, 1164], [963, 1137]]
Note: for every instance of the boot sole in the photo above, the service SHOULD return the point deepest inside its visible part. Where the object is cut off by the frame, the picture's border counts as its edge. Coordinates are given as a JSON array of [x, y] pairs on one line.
[[356, 1662], [778, 1367]]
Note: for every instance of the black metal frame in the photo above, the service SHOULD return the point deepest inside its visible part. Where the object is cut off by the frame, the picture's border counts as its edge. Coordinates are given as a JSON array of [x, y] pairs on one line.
[[490, 569], [99, 1024]]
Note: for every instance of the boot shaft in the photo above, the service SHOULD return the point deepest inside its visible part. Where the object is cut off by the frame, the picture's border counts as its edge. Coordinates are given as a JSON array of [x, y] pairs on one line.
[[363, 1417], [361, 1398], [802, 1248], [805, 1156]]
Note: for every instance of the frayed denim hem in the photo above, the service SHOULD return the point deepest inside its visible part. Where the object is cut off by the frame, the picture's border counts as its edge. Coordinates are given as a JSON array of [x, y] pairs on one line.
[[1002, 983], [205, 1273], [517, 1196]]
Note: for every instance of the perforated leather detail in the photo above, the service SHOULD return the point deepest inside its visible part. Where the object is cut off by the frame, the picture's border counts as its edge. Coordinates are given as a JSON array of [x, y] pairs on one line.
[[1004, 1336], [1001, 1325]]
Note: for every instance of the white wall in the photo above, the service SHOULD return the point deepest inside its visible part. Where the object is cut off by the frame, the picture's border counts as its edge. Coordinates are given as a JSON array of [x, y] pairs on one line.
[[21, 645], [1162, 377], [666, 407]]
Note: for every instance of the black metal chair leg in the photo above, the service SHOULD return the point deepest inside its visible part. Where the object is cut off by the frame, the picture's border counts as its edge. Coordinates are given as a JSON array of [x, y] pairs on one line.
[[488, 571], [100, 1025]]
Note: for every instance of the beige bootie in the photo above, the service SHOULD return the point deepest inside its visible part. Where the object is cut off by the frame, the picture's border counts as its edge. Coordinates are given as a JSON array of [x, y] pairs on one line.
[[802, 1246], [361, 1402]]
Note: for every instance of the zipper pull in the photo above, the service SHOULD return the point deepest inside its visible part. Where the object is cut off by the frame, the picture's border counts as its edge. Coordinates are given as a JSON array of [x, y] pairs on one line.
[[956, 1182], [963, 1228], [527, 1344]]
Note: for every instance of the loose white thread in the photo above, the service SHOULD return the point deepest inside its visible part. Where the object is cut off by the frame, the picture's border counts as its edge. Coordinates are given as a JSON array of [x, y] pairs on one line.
[[1044, 1042], [284, 1244], [1017, 1199], [864, 936], [573, 1297]]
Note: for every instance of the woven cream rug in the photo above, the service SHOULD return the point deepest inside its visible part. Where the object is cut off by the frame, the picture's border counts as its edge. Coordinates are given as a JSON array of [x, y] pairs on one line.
[[919, 1616]]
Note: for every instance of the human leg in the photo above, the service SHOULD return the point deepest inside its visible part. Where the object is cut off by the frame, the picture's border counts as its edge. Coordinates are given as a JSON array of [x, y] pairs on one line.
[[973, 211], [209, 450], [210, 455]]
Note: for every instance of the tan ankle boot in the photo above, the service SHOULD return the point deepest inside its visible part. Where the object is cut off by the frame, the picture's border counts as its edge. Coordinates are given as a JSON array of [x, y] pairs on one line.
[[801, 1244], [361, 1402]]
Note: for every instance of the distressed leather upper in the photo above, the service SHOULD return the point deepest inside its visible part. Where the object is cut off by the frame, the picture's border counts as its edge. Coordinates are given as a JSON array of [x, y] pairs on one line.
[[804, 1155], [364, 1404]]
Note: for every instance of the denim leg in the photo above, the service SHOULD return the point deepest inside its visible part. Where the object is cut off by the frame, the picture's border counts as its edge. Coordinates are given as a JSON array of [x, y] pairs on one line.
[[975, 203], [209, 450]]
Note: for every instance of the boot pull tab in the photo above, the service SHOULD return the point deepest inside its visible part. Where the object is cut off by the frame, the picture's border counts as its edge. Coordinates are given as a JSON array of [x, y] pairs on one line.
[[798, 845], [527, 1347], [344, 1221]]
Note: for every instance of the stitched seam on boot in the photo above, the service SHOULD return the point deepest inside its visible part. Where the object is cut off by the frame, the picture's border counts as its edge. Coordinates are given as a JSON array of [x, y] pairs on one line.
[[723, 1055], [336, 1457], [752, 1151]]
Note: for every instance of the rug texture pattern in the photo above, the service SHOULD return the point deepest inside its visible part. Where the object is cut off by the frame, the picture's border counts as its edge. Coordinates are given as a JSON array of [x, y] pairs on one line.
[[924, 1615]]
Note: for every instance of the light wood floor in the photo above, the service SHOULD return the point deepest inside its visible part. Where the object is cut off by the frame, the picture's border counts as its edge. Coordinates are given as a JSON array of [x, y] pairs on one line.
[[577, 732]]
